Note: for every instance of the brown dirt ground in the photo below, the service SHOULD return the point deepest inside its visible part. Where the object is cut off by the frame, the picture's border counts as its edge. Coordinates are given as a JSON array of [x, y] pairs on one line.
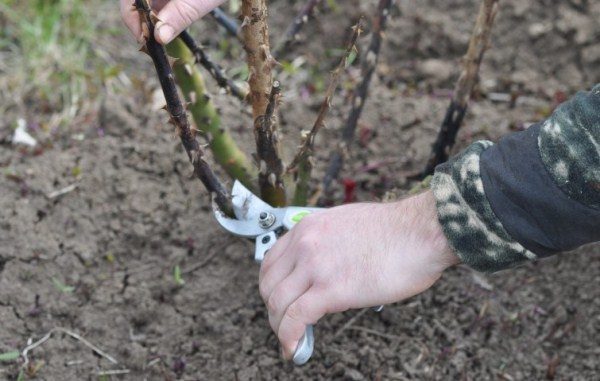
[[136, 214]]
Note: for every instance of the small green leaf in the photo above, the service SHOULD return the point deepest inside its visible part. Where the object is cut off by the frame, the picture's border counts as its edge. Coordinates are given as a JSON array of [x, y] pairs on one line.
[[62, 287], [76, 171], [9, 356], [177, 275], [351, 57]]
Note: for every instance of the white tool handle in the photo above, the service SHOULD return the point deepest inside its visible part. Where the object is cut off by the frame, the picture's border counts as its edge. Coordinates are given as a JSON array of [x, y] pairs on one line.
[[305, 347], [306, 344]]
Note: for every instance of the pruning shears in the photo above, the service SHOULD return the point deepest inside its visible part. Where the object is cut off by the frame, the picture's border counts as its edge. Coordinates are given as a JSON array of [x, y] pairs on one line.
[[264, 223], [260, 221]]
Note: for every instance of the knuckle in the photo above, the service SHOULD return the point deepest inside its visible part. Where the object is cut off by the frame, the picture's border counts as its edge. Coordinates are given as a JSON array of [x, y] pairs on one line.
[[264, 267], [313, 261], [306, 244], [187, 12], [294, 312], [273, 303]]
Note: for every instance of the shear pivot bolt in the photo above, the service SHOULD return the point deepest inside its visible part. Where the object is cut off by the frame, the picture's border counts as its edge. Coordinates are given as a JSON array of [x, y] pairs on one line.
[[266, 220]]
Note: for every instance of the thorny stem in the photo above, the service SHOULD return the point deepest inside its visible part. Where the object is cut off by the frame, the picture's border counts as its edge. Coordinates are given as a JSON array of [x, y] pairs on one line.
[[271, 166], [260, 62], [229, 24], [291, 34], [359, 97], [206, 117], [215, 71], [263, 94], [478, 44], [303, 158], [176, 110]]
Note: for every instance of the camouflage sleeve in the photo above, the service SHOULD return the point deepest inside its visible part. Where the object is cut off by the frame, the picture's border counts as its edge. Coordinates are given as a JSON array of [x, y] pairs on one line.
[[493, 211], [569, 143]]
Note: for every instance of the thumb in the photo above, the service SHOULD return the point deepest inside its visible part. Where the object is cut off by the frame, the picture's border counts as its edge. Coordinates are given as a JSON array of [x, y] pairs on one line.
[[177, 15]]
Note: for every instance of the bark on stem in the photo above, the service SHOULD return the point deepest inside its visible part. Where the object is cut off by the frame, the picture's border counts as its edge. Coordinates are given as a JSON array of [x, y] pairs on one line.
[[215, 70], [478, 44], [291, 34], [225, 150], [176, 110], [260, 62], [359, 97], [263, 94], [271, 167], [302, 165]]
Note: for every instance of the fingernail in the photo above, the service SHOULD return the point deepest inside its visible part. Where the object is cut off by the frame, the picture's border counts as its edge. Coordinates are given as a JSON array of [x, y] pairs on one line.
[[165, 33]]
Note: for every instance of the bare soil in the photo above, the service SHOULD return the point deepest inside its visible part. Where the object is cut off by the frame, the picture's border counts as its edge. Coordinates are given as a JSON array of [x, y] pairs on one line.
[[99, 260]]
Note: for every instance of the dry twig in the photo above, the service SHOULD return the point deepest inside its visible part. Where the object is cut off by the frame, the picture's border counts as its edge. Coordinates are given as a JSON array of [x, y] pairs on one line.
[[455, 113], [302, 162], [229, 24], [350, 322], [176, 110], [359, 97], [291, 34], [74, 335], [308, 140], [215, 70]]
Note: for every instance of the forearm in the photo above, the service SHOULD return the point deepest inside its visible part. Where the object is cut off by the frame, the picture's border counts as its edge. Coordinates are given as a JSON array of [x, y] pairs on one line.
[[533, 194]]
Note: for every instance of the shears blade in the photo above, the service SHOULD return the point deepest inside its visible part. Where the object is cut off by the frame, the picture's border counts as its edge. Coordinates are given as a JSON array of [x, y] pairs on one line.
[[247, 208]]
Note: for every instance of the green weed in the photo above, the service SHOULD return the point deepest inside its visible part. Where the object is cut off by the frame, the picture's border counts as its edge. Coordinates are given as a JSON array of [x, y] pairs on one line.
[[9, 356], [49, 59], [177, 276], [62, 287]]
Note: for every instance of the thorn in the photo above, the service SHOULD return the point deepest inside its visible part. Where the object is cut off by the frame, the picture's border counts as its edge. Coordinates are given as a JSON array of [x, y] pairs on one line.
[[145, 31], [272, 180], [262, 167], [245, 22], [144, 48], [154, 18], [172, 61]]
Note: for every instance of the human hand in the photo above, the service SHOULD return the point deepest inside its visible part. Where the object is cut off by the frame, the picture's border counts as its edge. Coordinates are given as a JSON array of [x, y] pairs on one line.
[[352, 256], [174, 16]]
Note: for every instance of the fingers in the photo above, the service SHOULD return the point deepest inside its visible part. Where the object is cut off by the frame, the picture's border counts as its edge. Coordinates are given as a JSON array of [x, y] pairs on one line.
[[131, 18], [275, 267], [273, 255], [307, 309], [286, 293], [177, 15]]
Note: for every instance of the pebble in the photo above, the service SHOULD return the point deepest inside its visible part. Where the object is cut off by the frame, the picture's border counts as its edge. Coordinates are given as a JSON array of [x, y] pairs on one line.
[[437, 70], [353, 375]]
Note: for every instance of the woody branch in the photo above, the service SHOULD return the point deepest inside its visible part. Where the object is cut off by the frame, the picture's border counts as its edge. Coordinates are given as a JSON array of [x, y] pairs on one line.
[[478, 44], [359, 96], [255, 32], [177, 111]]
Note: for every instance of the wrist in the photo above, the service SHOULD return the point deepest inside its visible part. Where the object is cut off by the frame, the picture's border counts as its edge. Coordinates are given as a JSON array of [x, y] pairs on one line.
[[427, 232]]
